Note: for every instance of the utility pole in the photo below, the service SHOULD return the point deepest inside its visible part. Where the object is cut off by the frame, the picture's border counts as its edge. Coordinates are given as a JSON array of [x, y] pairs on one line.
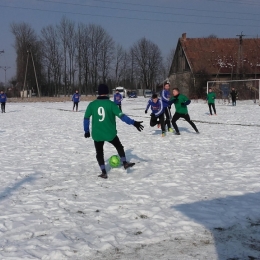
[[28, 54], [240, 55], [5, 69]]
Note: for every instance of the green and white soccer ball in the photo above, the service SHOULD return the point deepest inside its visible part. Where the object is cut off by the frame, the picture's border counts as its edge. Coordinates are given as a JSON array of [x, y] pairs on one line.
[[114, 161]]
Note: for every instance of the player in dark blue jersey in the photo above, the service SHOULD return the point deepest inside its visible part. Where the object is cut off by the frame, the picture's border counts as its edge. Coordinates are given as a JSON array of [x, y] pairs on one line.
[[165, 96], [157, 115]]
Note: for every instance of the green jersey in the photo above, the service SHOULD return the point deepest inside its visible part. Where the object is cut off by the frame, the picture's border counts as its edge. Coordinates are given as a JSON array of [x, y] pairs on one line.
[[179, 107], [103, 113], [211, 97]]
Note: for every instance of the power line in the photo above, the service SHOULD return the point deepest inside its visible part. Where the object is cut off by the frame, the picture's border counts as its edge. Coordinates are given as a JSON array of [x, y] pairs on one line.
[[152, 12], [128, 3], [129, 18], [235, 2], [170, 7]]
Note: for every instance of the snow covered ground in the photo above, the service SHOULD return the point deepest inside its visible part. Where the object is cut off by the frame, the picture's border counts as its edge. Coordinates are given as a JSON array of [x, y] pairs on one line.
[[188, 197]]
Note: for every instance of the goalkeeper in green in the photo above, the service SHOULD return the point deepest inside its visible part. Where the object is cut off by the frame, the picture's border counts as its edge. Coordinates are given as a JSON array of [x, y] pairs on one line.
[[103, 113]]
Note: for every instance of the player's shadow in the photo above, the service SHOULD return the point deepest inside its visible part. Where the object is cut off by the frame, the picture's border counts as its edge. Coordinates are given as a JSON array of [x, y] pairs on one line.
[[156, 132], [184, 129], [7, 192], [234, 222], [14, 111], [135, 158]]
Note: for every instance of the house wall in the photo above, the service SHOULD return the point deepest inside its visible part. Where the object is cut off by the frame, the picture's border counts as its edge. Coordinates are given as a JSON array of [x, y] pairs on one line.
[[183, 81], [179, 63]]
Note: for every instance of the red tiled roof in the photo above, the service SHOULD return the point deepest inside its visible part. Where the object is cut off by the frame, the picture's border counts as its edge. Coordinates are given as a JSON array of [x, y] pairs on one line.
[[216, 55]]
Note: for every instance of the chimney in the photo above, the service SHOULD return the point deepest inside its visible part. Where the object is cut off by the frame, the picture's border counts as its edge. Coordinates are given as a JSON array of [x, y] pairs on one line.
[[183, 36]]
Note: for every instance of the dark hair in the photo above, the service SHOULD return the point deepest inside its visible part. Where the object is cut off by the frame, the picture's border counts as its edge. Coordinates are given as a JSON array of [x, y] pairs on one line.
[[176, 89], [154, 96], [210, 88], [166, 83]]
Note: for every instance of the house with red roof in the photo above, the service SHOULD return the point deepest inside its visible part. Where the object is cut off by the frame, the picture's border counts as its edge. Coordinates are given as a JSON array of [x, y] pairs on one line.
[[198, 60]]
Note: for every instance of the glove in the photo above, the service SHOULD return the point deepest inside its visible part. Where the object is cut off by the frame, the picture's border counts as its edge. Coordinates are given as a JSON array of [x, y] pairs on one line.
[[145, 111], [87, 134], [183, 104], [138, 125], [170, 106]]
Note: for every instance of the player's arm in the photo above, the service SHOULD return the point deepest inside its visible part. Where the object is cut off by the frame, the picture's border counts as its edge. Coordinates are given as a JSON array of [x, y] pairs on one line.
[[185, 101], [148, 105], [164, 97], [172, 101], [86, 121]]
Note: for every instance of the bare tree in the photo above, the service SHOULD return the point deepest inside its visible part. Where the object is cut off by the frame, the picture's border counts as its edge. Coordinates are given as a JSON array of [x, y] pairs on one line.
[[83, 56], [119, 61], [148, 61], [106, 56], [100, 52], [26, 42], [63, 29], [71, 43], [52, 57]]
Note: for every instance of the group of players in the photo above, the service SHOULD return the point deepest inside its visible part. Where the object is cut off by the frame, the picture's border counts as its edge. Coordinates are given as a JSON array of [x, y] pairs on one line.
[[103, 113], [161, 109]]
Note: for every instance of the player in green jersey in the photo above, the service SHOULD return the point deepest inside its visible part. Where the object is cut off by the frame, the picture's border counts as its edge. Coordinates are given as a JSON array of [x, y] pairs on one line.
[[181, 111], [211, 96], [103, 113]]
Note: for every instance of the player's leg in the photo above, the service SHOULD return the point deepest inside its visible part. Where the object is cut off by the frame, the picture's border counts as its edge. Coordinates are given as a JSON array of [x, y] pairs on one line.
[[167, 114], [162, 122], [99, 146], [214, 109], [210, 111], [74, 104], [175, 117], [187, 118], [77, 105], [153, 120], [2, 107], [120, 107], [121, 152]]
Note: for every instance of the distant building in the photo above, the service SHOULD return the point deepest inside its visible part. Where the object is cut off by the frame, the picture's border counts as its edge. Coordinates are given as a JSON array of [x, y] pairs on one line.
[[198, 60]]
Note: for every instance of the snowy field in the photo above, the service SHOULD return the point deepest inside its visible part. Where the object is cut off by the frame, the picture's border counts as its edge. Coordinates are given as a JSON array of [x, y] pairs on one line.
[[188, 197]]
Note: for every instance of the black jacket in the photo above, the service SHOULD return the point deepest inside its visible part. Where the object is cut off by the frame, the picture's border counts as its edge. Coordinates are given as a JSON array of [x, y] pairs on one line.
[[233, 94]]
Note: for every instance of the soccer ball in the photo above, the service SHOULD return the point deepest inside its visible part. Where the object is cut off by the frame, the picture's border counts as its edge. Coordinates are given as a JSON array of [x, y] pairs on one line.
[[114, 161]]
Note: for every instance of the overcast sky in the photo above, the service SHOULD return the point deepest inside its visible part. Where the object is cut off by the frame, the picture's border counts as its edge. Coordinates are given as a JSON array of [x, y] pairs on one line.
[[162, 22]]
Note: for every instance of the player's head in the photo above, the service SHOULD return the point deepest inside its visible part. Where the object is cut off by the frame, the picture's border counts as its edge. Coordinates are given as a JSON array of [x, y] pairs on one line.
[[175, 92], [210, 89], [166, 85], [233, 88], [117, 90], [103, 90], [154, 98], [2, 91], [77, 91]]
